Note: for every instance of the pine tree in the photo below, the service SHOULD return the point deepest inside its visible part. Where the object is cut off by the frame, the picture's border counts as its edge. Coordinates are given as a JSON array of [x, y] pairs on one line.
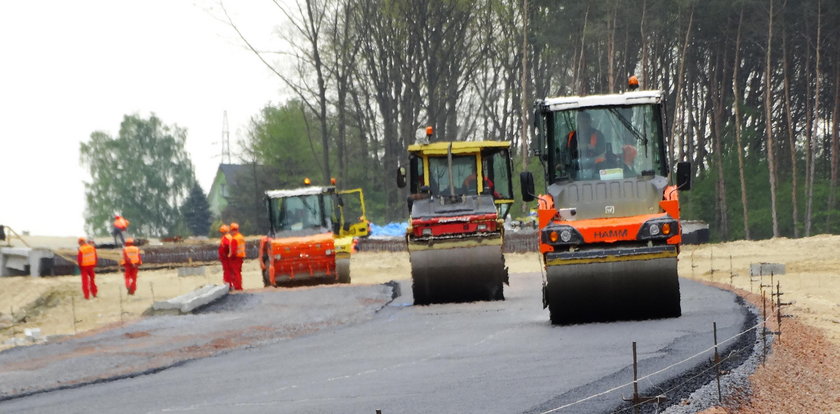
[[196, 211]]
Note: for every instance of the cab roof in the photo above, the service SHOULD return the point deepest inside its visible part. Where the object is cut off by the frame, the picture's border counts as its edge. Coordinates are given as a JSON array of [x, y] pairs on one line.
[[458, 147], [617, 99], [310, 190]]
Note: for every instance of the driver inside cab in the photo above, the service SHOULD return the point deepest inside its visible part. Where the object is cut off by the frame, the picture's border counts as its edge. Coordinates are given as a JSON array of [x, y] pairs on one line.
[[593, 153]]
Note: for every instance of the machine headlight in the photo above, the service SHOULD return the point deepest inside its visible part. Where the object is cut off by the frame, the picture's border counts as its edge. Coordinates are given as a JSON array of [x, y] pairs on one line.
[[328, 252], [561, 235], [654, 229], [565, 235], [427, 231], [658, 228], [481, 227], [277, 257]]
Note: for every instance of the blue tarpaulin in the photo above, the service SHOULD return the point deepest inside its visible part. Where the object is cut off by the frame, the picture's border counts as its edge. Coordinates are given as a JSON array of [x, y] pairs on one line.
[[388, 230]]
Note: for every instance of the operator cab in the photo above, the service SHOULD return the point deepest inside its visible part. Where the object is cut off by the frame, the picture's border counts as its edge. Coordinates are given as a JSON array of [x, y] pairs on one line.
[[455, 172], [605, 142], [302, 212]]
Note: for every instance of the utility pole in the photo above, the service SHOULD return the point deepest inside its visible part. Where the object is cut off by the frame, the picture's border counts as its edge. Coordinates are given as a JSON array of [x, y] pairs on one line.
[[524, 85], [524, 92], [225, 140]]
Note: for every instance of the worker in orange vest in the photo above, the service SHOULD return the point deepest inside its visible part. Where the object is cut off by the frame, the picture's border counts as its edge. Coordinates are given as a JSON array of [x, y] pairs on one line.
[[236, 255], [120, 226], [224, 254], [131, 261], [86, 258]]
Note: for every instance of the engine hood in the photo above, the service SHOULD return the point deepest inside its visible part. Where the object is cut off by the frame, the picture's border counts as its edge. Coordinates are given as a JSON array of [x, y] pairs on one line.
[[609, 198]]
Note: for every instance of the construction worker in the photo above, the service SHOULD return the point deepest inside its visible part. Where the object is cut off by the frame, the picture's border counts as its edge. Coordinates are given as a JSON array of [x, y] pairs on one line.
[[120, 227], [131, 261], [86, 258], [224, 255], [236, 255]]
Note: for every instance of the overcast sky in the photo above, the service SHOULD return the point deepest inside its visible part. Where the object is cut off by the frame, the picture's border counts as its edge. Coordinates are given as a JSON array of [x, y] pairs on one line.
[[68, 68]]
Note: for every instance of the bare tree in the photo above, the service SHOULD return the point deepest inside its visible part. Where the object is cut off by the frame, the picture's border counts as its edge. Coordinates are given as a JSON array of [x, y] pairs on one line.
[[812, 141], [736, 106], [768, 121]]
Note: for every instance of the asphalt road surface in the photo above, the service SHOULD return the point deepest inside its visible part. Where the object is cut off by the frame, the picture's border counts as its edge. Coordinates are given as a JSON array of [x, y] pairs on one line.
[[488, 357]]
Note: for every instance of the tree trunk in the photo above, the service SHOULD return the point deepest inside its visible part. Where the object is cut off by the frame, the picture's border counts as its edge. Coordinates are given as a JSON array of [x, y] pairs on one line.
[[718, 99], [835, 145], [812, 141], [791, 137], [768, 122], [680, 79]]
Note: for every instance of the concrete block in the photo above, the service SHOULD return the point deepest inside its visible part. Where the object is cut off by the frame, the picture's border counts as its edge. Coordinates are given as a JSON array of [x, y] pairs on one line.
[[190, 301], [18, 261], [766, 269], [191, 271]]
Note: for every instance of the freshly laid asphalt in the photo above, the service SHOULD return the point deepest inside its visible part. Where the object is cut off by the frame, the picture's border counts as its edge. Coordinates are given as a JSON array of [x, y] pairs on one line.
[[352, 349]]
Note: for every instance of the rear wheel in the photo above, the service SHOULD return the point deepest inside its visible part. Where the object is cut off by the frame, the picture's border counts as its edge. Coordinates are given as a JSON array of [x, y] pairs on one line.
[[265, 271], [342, 268]]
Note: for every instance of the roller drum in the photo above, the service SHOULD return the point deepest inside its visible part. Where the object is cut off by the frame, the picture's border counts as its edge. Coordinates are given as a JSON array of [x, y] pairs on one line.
[[613, 290]]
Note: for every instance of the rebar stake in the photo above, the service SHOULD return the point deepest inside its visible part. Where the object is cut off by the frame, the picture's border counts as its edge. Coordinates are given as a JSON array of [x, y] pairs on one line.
[[717, 362], [73, 305]]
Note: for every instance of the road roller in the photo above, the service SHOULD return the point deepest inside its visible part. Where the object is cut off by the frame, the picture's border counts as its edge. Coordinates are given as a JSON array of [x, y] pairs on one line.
[[609, 218], [312, 232], [460, 193]]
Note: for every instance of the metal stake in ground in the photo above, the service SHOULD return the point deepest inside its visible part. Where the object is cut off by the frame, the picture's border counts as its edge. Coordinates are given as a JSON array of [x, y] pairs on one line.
[[638, 399], [119, 293], [712, 263], [717, 362], [731, 272], [764, 327], [779, 305], [73, 305]]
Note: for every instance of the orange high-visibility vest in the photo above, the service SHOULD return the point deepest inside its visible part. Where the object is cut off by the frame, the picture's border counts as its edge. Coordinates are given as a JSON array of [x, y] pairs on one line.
[[593, 140], [240, 245], [121, 223], [133, 254], [88, 255]]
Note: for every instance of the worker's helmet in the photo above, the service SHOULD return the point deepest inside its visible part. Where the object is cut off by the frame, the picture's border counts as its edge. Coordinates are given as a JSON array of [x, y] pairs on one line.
[[129, 241], [234, 226], [633, 83], [224, 228], [82, 240]]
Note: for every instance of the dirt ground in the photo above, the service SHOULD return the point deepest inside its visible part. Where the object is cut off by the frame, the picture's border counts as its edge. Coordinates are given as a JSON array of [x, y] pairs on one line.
[[53, 303], [811, 282]]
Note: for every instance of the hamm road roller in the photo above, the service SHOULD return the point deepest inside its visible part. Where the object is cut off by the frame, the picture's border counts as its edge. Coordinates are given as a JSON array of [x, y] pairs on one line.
[[460, 193], [609, 229], [309, 240]]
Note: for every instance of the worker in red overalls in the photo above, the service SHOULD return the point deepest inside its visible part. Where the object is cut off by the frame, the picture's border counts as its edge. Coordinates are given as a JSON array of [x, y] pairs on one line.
[[237, 255], [120, 227], [86, 258], [131, 261], [224, 255]]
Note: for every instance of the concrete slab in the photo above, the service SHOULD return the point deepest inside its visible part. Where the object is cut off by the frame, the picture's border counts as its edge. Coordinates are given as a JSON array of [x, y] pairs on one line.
[[18, 261], [191, 271], [188, 302]]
